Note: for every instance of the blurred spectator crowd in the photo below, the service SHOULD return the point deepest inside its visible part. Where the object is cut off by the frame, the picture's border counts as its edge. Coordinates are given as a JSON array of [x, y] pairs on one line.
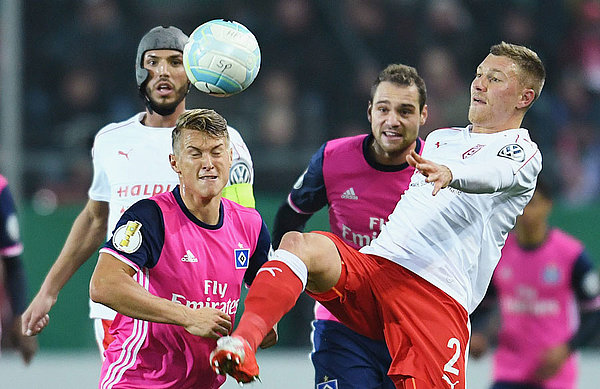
[[319, 59]]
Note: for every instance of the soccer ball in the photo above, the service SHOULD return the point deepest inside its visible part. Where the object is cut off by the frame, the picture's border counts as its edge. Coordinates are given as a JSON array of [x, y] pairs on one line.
[[221, 58]]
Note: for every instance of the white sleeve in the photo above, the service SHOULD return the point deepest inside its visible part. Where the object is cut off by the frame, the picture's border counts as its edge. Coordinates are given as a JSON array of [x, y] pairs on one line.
[[515, 165], [100, 188]]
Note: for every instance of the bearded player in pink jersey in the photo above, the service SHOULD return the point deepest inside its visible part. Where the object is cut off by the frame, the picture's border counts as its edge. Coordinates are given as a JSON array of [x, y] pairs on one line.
[[415, 285], [174, 267], [360, 179], [130, 161], [544, 279]]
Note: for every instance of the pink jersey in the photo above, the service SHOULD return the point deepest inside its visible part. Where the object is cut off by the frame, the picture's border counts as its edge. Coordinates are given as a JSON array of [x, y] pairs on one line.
[[538, 307], [131, 162], [360, 195], [198, 266]]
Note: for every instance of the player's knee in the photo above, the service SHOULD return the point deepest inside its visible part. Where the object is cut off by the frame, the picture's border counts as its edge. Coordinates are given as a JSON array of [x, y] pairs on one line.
[[295, 243], [306, 246]]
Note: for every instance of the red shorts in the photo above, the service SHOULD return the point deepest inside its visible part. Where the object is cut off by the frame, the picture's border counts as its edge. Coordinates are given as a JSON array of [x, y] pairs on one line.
[[103, 335], [425, 330]]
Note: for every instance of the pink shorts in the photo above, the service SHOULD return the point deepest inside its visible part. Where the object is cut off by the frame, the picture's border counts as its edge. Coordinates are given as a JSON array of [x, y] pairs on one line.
[[425, 329]]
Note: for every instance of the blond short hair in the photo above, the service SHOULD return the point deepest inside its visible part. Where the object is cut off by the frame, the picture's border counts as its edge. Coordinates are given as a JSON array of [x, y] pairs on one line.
[[203, 120], [533, 74]]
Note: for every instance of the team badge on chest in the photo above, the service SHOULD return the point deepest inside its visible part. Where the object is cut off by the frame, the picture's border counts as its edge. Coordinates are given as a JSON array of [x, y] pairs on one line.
[[242, 257], [551, 274]]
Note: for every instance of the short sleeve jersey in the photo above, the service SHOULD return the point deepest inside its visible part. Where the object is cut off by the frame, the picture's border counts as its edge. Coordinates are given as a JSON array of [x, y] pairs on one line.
[[540, 291], [181, 259], [453, 239], [131, 162], [359, 192]]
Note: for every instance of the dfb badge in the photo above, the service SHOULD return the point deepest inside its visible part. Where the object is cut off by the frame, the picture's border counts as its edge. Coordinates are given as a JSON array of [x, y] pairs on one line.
[[242, 257], [128, 238]]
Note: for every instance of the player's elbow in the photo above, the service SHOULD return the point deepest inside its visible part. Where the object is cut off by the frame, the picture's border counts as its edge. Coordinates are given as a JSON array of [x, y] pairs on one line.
[[100, 291]]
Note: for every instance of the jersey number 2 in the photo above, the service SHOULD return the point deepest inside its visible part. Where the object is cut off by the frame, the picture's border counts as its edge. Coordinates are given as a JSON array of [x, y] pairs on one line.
[[449, 366]]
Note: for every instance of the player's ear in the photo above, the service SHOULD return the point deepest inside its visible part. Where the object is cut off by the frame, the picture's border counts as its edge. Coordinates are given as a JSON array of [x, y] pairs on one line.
[[173, 163], [423, 115], [526, 98], [369, 107]]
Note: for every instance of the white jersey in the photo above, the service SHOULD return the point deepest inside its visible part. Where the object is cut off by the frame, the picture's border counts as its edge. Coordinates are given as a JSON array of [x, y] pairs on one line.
[[131, 162], [454, 239]]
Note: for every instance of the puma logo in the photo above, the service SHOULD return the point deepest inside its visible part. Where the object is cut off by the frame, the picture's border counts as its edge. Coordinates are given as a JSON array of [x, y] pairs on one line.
[[125, 154], [270, 270], [452, 385]]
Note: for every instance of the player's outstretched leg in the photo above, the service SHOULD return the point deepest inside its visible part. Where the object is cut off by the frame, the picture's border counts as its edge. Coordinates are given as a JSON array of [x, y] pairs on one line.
[[274, 291], [234, 356]]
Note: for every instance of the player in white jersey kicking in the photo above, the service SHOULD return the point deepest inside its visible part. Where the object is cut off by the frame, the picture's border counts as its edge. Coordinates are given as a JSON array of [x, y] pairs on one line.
[[417, 282], [131, 162]]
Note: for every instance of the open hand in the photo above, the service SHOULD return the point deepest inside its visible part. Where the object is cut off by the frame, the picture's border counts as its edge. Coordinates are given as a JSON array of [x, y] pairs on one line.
[[440, 175]]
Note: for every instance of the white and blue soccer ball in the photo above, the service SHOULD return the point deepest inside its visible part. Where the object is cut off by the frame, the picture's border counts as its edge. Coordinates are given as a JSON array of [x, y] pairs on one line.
[[221, 57]]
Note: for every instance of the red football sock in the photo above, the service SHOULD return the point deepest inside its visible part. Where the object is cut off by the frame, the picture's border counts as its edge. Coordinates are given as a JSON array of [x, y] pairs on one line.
[[272, 294]]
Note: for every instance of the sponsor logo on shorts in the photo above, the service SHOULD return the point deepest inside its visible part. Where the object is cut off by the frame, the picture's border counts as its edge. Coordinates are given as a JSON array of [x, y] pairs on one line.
[[452, 384]]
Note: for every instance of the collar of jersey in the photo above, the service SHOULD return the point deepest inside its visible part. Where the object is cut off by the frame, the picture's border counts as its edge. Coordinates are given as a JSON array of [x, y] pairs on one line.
[[177, 195], [378, 166]]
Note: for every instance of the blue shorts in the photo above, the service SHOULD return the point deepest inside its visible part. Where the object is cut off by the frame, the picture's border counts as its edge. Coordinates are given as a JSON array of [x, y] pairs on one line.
[[355, 361], [512, 385]]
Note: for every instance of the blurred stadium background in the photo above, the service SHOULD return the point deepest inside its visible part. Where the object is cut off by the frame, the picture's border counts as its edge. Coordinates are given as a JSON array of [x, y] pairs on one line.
[[66, 70]]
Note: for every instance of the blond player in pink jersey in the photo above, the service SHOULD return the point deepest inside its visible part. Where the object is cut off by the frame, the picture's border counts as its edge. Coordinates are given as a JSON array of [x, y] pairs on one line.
[[175, 265], [416, 283], [547, 292], [130, 161]]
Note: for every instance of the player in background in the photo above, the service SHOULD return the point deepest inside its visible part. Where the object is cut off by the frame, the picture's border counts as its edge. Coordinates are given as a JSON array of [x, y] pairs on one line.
[[360, 179], [130, 161], [174, 267], [12, 273], [548, 295], [417, 282]]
